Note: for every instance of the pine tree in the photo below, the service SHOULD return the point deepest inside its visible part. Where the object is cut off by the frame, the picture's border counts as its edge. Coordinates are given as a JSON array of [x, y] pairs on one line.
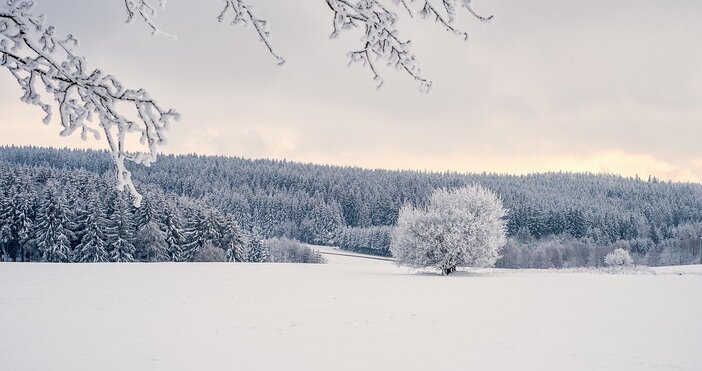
[[146, 213], [150, 243], [52, 236], [5, 238], [120, 231], [174, 235], [204, 226], [233, 241], [9, 218], [257, 250], [24, 222], [82, 212], [93, 248]]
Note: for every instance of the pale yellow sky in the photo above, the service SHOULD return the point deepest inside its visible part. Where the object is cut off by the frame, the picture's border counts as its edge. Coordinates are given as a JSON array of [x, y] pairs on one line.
[[596, 86]]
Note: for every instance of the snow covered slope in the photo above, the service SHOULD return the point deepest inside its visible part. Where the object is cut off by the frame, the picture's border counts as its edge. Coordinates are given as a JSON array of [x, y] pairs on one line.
[[350, 314]]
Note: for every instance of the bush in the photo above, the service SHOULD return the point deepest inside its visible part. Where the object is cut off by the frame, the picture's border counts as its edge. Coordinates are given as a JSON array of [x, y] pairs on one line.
[[209, 253], [284, 250], [460, 227], [618, 258]]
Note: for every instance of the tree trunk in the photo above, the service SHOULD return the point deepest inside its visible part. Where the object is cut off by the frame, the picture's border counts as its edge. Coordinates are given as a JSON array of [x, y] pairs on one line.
[[447, 271]]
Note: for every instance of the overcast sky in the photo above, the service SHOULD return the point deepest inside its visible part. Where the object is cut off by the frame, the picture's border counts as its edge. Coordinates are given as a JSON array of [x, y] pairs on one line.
[[600, 86]]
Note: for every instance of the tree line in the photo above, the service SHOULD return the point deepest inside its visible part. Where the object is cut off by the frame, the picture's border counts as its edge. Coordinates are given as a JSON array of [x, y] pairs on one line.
[[356, 208], [54, 215]]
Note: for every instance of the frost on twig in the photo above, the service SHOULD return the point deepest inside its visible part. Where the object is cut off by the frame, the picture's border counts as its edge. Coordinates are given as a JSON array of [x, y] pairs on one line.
[[243, 15], [239, 11], [381, 41], [146, 10], [88, 101]]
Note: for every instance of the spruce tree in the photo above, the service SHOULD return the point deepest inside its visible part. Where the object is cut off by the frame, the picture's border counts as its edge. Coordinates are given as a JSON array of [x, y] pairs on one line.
[[52, 236], [120, 231], [257, 250], [150, 243], [204, 226], [233, 241], [146, 213], [174, 234], [93, 248]]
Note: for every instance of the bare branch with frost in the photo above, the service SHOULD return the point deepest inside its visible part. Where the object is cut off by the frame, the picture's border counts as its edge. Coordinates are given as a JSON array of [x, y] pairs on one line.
[[89, 101], [381, 41], [146, 10], [243, 15], [240, 12]]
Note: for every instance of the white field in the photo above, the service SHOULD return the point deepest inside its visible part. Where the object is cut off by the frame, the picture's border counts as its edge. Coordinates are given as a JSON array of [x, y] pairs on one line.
[[351, 314]]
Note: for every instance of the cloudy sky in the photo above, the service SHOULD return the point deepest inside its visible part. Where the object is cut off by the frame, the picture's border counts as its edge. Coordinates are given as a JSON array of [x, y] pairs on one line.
[[600, 86]]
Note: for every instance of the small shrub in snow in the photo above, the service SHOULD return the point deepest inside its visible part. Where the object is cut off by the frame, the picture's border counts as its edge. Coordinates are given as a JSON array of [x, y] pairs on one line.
[[460, 227], [210, 253], [618, 258], [284, 250]]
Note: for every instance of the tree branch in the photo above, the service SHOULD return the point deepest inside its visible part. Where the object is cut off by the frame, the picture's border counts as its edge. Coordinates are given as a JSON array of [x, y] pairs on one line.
[[87, 100]]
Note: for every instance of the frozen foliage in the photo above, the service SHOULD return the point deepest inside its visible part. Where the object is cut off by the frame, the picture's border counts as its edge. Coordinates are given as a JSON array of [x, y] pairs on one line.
[[240, 12], [92, 247], [555, 219], [367, 240], [52, 238], [174, 235], [285, 250], [150, 243], [209, 253], [618, 258], [96, 103], [146, 11], [381, 42], [233, 241], [459, 227], [377, 19], [74, 216], [256, 250], [91, 102]]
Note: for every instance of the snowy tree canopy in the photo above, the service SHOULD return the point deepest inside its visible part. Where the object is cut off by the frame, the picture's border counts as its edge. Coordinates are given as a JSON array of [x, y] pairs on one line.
[[618, 258], [459, 227]]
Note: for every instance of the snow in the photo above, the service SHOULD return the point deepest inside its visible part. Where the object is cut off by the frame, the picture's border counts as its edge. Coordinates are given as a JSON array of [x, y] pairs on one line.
[[350, 314]]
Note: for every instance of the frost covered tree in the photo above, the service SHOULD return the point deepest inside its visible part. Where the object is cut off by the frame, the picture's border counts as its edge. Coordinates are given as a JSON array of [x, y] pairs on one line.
[[52, 236], [204, 226], [150, 243], [459, 227], [54, 77], [91, 102], [120, 231], [5, 238], [93, 248], [256, 249], [145, 214], [174, 235], [618, 258], [210, 253], [17, 216], [233, 241]]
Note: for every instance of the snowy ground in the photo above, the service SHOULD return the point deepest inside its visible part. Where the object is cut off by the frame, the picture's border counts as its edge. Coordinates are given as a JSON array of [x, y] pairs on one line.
[[350, 314]]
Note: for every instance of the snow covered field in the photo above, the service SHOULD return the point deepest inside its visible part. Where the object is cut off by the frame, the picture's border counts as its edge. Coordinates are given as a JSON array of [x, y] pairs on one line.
[[350, 314]]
